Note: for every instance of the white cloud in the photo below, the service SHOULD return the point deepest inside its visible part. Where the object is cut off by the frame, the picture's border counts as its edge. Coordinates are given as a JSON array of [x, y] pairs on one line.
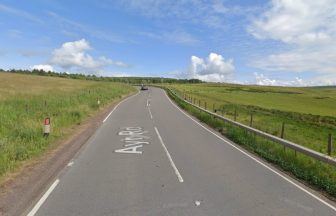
[[72, 55], [212, 69], [261, 79], [45, 67], [322, 61], [308, 27], [299, 21]]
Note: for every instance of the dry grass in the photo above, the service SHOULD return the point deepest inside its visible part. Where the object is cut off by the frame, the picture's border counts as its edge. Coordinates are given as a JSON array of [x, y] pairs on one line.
[[26, 100]]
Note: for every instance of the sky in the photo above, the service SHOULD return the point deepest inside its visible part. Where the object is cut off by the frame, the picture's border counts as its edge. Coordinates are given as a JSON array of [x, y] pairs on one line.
[[264, 42]]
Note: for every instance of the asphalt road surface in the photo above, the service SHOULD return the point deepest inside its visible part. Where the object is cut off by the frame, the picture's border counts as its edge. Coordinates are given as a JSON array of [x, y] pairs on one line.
[[150, 158]]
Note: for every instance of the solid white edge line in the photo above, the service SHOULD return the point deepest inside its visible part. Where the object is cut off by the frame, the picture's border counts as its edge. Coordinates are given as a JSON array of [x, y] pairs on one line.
[[43, 198], [118, 105], [255, 159], [169, 157]]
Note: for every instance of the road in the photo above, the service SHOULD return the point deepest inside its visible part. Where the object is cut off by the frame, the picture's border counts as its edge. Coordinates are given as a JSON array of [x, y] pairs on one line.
[[150, 158]]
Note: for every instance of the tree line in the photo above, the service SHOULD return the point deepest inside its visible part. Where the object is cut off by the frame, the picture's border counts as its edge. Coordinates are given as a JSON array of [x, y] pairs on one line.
[[130, 80]]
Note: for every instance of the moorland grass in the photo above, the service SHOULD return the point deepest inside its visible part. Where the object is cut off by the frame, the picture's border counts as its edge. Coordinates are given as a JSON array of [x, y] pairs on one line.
[[308, 113], [26, 100], [320, 175]]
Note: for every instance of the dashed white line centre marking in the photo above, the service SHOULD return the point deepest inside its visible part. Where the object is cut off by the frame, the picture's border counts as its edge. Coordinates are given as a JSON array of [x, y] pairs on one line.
[[150, 113]]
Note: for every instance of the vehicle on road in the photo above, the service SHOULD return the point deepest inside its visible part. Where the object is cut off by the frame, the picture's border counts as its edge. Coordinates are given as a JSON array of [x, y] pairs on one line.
[[143, 87]]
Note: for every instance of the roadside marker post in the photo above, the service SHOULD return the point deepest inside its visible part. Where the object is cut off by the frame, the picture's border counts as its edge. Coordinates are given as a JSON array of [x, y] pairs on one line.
[[46, 130]]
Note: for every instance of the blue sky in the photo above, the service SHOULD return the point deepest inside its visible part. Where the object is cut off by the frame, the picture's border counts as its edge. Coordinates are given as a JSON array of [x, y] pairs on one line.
[[267, 42]]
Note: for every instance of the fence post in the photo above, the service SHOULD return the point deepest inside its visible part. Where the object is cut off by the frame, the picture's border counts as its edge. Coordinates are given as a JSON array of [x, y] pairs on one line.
[[222, 111], [235, 115], [205, 105], [251, 120], [26, 108], [199, 102], [330, 143]]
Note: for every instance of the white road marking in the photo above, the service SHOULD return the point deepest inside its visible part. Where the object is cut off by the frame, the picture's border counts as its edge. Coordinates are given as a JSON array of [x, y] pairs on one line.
[[169, 157], [150, 113], [70, 163], [43, 198], [134, 139], [130, 150], [255, 159], [118, 105]]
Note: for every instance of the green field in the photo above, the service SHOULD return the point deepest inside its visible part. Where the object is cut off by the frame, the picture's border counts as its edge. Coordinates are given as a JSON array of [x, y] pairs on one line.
[[26, 100], [299, 126], [308, 113]]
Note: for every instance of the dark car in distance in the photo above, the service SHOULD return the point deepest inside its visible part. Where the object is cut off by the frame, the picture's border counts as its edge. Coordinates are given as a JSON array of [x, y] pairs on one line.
[[143, 87]]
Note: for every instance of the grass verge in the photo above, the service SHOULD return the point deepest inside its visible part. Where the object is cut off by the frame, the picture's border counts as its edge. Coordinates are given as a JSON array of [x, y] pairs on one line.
[[67, 103]]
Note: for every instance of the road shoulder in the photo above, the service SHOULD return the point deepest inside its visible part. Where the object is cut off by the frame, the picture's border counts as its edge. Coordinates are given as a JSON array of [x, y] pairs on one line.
[[24, 186]]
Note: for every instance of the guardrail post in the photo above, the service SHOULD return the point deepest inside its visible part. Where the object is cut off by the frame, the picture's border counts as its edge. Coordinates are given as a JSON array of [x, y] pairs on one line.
[[205, 105], [235, 115], [283, 133], [330, 147]]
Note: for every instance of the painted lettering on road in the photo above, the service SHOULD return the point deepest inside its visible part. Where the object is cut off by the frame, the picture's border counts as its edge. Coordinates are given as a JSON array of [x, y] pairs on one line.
[[134, 140]]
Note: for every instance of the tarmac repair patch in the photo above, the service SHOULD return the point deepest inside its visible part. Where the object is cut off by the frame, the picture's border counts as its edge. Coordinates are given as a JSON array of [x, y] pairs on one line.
[[134, 139]]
